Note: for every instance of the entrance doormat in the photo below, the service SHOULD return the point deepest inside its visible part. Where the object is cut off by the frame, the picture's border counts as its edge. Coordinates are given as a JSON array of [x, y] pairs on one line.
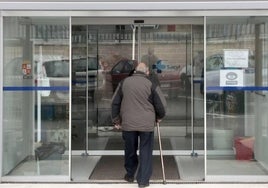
[[117, 143], [112, 168]]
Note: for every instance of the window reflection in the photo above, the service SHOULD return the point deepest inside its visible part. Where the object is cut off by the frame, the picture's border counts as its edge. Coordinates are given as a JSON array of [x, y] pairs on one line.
[[233, 115], [36, 97]]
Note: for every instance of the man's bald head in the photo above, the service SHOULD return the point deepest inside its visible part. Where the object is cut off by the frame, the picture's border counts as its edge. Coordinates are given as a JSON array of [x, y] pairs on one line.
[[142, 67]]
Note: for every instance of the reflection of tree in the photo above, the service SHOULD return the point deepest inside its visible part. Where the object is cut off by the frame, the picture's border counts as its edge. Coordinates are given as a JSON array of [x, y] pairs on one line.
[[217, 62], [231, 103], [234, 102], [214, 102]]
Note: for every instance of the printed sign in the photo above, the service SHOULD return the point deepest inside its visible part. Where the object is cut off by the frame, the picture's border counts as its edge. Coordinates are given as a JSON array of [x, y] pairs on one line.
[[27, 70], [236, 58], [231, 78]]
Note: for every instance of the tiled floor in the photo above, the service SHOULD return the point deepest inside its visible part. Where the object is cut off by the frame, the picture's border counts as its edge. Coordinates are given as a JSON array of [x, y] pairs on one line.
[[190, 168]]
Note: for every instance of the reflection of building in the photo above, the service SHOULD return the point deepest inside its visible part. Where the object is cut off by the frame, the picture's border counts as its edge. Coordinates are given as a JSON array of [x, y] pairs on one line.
[[208, 129]]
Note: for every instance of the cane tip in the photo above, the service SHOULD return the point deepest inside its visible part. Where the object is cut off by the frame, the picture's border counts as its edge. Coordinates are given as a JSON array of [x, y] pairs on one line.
[[164, 182]]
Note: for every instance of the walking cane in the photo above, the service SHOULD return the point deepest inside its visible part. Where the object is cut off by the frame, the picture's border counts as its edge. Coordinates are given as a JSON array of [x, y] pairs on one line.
[[161, 154]]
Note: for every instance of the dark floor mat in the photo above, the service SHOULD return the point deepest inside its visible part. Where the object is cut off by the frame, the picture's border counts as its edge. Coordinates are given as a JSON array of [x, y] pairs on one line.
[[117, 143], [112, 168]]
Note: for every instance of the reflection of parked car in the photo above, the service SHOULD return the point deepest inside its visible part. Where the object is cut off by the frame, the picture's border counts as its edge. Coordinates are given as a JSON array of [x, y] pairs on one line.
[[121, 70], [91, 78], [53, 74], [84, 79], [168, 75], [172, 79], [215, 63], [57, 74], [232, 99]]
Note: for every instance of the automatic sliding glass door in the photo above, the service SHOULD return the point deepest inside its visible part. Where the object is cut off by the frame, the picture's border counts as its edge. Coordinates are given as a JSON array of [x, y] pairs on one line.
[[101, 58], [174, 56], [85, 86]]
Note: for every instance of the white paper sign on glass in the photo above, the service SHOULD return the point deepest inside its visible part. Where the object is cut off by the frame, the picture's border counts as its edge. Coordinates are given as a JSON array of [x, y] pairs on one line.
[[236, 58], [231, 78]]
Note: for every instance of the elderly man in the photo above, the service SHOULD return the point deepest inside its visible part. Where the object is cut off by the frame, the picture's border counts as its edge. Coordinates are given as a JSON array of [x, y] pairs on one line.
[[136, 105]]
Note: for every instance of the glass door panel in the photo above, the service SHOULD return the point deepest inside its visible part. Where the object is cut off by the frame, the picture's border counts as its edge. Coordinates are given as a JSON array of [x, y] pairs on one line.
[[85, 85], [108, 49], [36, 97], [167, 53], [116, 57], [236, 124], [172, 53]]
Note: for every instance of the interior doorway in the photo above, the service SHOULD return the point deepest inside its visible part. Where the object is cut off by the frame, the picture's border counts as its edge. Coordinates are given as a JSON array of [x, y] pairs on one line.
[[105, 53]]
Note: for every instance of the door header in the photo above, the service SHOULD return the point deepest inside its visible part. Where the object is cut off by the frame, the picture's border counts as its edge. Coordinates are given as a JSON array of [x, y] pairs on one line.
[[171, 5]]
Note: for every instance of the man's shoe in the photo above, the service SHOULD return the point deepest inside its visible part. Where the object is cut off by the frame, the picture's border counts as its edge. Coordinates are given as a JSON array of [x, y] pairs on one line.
[[129, 179], [143, 185]]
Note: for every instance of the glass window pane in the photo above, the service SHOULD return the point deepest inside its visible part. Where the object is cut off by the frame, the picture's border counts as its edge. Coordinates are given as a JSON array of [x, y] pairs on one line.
[[171, 65], [36, 96], [236, 80]]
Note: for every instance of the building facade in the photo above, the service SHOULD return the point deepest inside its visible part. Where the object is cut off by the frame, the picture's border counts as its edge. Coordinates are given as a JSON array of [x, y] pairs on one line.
[[61, 62]]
